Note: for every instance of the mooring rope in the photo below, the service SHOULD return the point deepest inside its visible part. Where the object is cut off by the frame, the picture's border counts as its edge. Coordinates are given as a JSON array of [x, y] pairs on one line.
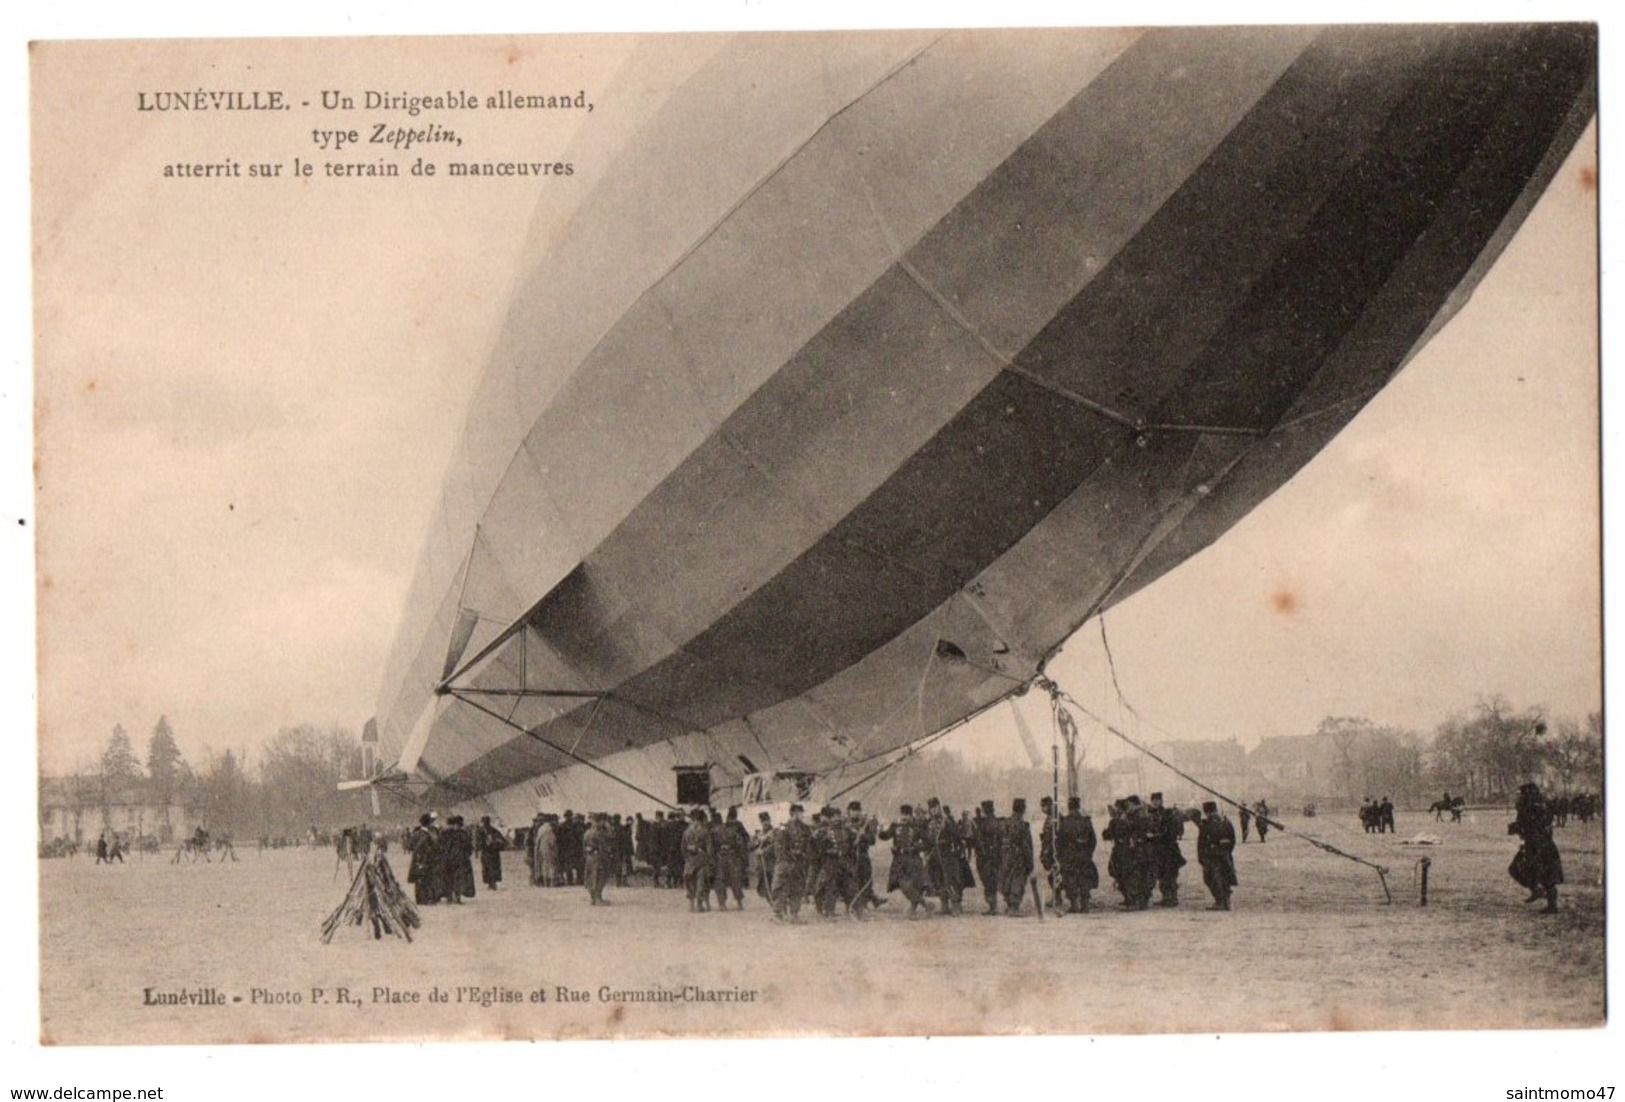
[[1056, 691]]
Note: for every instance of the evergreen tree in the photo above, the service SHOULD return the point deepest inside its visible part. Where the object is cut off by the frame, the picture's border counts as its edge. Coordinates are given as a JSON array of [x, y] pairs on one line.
[[165, 765], [119, 762]]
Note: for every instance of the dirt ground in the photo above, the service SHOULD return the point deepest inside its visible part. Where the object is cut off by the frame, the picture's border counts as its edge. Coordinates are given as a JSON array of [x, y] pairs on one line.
[[1311, 945]]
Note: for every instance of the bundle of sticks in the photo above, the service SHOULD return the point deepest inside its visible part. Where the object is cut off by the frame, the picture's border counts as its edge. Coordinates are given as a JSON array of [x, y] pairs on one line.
[[375, 897]]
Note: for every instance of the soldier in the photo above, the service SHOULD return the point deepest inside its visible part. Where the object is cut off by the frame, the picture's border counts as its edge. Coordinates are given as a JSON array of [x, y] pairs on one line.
[[1215, 851], [1075, 855], [1015, 857], [825, 871], [863, 831], [733, 854], [672, 858], [761, 849], [946, 847], [1129, 865], [1166, 828], [1261, 813], [907, 866], [698, 862], [457, 856], [489, 843], [1537, 865], [985, 842], [598, 860], [792, 843]]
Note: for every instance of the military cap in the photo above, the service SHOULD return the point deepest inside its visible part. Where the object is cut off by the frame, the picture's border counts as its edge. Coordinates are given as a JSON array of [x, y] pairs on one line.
[[933, 802], [1131, 801], [1018, 804], [797, 807], [426, 818], [1074, 803], [1210, 806], [906, 809], [855, 805], [987, 807], [764, 817], [1156, 796]]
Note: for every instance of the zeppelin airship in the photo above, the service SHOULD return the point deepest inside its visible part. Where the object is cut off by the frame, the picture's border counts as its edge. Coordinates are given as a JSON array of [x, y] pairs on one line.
[[867, 368]]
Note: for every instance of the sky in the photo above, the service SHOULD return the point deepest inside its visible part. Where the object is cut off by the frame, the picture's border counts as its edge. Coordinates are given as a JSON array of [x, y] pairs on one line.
[[247, 393]]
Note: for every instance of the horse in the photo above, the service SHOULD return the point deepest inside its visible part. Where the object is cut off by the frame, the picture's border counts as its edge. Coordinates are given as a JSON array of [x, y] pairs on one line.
[[1452, 804]]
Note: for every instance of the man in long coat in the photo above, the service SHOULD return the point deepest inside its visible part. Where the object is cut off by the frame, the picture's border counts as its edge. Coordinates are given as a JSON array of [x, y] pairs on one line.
[[1167, 827], [985, 844], [1015, 857], [699, 861], [1075, 855], [731, 844], [907, 873], [792, 844], [1215, 852], [489, 843], [424, 871], [457, 857], [1537, 866]]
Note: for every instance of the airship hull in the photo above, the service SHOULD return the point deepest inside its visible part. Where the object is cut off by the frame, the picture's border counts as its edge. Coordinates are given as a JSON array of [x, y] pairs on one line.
[[960, 361]]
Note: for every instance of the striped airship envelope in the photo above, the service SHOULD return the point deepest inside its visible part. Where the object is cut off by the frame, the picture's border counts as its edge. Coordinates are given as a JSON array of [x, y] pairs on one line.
[[865, 369]]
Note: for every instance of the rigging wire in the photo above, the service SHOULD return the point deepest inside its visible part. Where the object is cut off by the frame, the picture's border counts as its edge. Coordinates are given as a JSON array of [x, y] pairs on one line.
[[1046, 682]]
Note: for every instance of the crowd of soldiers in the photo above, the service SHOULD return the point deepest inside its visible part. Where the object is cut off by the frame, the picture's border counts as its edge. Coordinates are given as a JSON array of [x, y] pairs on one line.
[[1584, 806], [591, 851], [935, 855]]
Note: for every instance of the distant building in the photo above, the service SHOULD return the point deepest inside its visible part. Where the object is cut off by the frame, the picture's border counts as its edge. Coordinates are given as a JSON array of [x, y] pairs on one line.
[[80, 808], [1220, 764], [1297, 767]]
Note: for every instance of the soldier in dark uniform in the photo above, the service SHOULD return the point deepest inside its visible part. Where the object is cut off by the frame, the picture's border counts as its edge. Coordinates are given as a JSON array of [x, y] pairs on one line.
[[676, 828], [1215, 851], [733, 855], [1167, 827], [761, 845], [791, 844], [423, 873], [947, 853], [457, 855], [488, 842], [1129, 864], [985, 843], [698, 861], [1261, 813], [1075, 855], [826, 872], [1537, 866], [907, 864], [862, 831], [640, 840], [1015, 857], [623, 850]]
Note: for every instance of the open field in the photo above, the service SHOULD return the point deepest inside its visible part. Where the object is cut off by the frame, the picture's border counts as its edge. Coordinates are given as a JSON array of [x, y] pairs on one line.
[[1311, 946]]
